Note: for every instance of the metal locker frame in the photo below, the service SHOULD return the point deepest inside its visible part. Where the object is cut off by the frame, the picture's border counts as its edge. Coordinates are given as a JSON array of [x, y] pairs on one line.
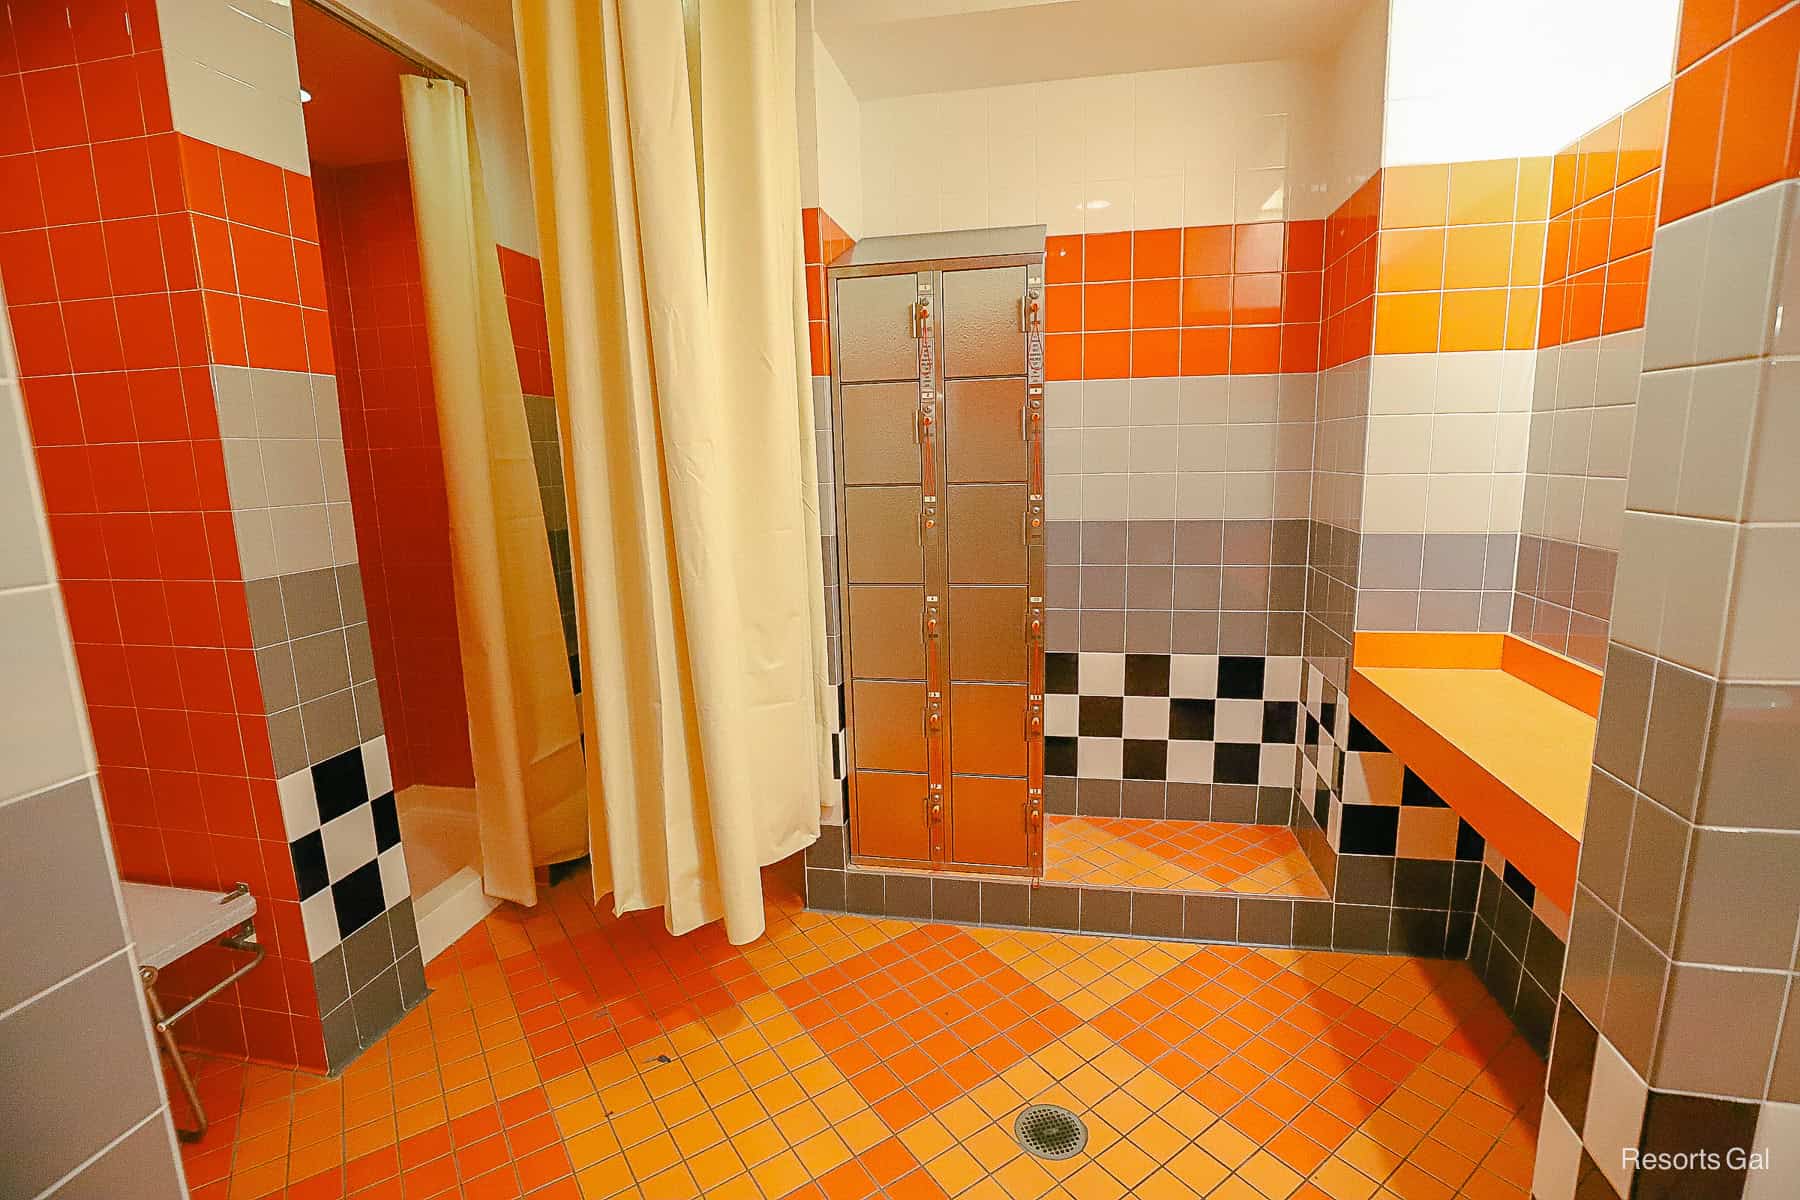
[[927, 257]]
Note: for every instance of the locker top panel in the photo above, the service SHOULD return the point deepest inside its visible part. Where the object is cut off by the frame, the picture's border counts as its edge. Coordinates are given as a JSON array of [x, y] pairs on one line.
[[1014, 245]]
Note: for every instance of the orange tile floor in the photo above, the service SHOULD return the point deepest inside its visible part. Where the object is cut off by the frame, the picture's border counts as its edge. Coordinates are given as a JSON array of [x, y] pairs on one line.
[[1190, 856], [566, 1055]]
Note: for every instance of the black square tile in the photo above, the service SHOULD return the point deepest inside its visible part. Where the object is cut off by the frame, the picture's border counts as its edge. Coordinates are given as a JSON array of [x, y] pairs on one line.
[[865, 892], [1156, 914], [1191, 720], [1059, 755], [957, 900], [1533, 1013], [1328, 720], [1105, 910], [339, 784], [1005, 903], [1470, 846], [1369, 829], [309, 864], [1146, 674], [1312, 730], [824, 889], [1279, 717], [1544, 956], [1521, 886], [1697, 1131], [1421, 883], [357, 898], [1054, 907], [1420, 931], [1101, 716], [1241, 677], [1146, 759], [1061, 673], [1312, 924], [1457, 938], [909, 896], [1361, 739], [1236, 763], [387, 821], [1416, 793]]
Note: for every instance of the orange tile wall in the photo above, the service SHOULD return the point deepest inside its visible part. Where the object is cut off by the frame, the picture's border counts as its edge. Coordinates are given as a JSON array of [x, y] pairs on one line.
[[824, 239], [132, 258], [1460, 259], [1733, 123], [522, 277], [1603, 198], [396, 468], [1201, 300], [1347, 325]]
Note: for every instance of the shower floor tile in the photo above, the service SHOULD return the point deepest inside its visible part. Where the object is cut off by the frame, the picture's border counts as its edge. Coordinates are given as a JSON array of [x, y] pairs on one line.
[[1189, 856], [567, 1054]]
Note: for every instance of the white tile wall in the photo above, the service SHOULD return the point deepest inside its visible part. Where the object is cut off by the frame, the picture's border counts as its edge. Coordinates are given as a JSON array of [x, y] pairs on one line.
[[1583, 398], [1446, 442], [233, 77], [284, 465], [1340, 442], [1191, 449], [1711, 533]]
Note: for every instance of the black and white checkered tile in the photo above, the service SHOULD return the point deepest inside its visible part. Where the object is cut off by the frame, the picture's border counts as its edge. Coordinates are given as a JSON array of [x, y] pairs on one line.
[[1518, 947], [1606, 1133], [1180, 718], [1364, 798], [344, 835]]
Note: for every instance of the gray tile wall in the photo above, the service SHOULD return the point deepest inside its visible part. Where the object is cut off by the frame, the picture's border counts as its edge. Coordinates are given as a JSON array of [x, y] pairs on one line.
[[284, 463], [546, 457], [1683, 964], [84, 1109]]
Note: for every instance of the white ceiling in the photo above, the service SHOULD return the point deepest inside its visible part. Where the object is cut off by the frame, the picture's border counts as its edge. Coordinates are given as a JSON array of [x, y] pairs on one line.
[[902, 47]]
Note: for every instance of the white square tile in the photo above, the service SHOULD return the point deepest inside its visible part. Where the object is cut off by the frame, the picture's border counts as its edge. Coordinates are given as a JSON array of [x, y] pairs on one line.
[[1100, 758], [1777, 1141], [1672, 317], [1237, 720], [1275, 764], [395, 885], [319, 917], [1062, 715], [1615, 1115], [1281, 677], [1763, 644], [349, 841], [299, 805], [1737, 292], [1190, 762], [1147, 717], [1372, 777], [1194, 676], [1558, 1157], [377, 772], [1100, 673]]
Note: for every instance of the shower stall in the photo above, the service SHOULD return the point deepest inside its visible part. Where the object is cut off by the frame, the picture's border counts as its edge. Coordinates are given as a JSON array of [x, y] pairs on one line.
[[938, 408]]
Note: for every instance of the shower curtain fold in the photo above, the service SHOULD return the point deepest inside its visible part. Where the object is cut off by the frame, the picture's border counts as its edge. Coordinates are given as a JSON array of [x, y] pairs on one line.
[[524, 732], [665, 167]]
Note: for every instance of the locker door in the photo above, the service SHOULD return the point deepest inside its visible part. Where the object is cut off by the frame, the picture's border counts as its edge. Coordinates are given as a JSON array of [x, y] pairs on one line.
[[987, 728], [887, 639], [890, 819], [987, 634], [984, 429], [881, 443], [882, 535], [988, 822], [983, 330], [987, 532], [890, 725], [875, 328]]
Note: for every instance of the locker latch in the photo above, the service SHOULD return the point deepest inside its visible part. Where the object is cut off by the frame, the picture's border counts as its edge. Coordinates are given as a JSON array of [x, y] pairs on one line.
[[1031, 311], [921, 319]]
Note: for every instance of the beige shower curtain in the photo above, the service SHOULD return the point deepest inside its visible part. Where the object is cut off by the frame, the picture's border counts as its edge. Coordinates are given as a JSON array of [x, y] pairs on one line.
[[531, 806], [665, 163]]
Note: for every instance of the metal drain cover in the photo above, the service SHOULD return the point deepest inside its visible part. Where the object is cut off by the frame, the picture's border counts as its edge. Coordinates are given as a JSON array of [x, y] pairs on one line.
[[1050, 1131]]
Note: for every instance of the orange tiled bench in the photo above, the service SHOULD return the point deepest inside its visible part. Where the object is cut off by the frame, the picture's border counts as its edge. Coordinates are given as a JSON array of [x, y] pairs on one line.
[[1501, 729]]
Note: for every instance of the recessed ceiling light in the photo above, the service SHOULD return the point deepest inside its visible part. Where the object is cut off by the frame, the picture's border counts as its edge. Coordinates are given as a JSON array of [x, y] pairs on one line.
[[1098, 204], [305, 96]]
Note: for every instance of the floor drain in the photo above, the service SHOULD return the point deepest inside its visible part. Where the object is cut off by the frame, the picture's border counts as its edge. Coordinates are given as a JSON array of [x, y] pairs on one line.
[[1050, 1131]]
